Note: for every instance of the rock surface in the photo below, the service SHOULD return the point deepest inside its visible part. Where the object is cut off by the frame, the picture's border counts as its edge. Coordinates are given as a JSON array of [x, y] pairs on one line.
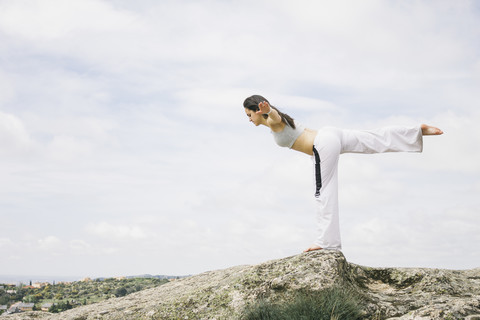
[[390, 293]]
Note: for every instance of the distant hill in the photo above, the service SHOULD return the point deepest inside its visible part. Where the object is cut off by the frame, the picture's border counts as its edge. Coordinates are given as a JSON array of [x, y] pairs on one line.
[[25, 279], [157, 276]]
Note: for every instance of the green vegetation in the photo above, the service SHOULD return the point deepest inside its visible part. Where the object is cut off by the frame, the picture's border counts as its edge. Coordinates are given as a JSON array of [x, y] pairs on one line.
[[328, 304], [64, 296]]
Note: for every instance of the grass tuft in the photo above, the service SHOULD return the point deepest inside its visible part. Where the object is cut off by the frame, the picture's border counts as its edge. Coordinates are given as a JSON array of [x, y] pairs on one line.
[[329, 304]]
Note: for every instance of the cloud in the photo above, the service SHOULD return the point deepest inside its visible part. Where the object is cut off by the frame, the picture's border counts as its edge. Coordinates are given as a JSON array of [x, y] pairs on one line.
[[49, 243], [14, 137], [456, 145], [52, 19], [4, 242], [361, 54], [417, 238], [85, 248], [117, 232], [80, 246]]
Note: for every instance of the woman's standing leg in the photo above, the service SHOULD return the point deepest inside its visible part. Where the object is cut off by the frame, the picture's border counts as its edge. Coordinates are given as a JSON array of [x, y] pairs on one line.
[[327, 148]]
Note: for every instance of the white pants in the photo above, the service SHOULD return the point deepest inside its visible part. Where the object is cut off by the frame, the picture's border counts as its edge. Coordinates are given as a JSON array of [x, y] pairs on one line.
[[329, 144]]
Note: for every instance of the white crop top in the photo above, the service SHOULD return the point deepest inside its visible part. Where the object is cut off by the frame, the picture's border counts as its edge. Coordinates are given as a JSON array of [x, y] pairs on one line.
[[288, 136]]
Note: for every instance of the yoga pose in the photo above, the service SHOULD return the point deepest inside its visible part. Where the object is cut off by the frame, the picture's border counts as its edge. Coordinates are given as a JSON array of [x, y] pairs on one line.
[[325, 146]]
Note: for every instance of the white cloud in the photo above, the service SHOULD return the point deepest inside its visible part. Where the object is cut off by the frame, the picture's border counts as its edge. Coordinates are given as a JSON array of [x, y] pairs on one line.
[[351, 49], [49, 243], [417, 238], [80, 246], [377, 233], [14, 138], [86, 249], [52, 19], [4, 242], [457, 147], [117, 231]]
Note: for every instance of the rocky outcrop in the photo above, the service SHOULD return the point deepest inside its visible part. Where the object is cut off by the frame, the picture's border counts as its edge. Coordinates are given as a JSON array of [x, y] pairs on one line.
[[418, 293], [389, 293]]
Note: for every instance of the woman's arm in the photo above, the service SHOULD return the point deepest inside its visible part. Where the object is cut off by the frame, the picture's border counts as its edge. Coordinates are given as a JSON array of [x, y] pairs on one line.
[[274, 119]]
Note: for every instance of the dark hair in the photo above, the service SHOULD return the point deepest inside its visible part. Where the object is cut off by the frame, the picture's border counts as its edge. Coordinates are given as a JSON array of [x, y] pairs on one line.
[[252, 102]]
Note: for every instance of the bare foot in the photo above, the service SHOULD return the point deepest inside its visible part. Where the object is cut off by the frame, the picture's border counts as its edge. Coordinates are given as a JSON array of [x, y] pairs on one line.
[[312, 248], [430, 131]]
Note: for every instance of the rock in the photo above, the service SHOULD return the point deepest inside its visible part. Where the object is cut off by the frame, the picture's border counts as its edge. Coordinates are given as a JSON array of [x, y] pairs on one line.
[[420, 293], [390, 293]]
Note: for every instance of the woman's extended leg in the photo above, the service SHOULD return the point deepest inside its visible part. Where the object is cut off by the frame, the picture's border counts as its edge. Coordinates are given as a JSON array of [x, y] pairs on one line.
[[387, 139]]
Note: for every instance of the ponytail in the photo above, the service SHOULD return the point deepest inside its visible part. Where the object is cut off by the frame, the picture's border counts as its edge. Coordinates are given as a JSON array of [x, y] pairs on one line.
[[285, 117]]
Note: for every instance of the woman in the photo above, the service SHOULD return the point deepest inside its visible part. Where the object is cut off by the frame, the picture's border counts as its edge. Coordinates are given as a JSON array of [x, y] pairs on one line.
[[325, 146]]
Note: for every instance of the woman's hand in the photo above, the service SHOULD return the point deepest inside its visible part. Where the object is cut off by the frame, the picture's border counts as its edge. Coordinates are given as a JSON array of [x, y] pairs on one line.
[[264, 107], [274, 120]]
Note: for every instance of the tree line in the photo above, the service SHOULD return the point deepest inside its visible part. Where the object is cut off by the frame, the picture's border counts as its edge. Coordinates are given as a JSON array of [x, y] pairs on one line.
[[64, 296]]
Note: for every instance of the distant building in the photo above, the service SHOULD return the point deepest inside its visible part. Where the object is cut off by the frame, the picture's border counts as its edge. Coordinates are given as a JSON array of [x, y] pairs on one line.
[[46, 306], [26, 306], [39, 285]]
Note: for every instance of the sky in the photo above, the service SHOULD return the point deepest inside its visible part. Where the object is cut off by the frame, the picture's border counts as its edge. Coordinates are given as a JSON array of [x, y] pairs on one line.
[[125, 148]]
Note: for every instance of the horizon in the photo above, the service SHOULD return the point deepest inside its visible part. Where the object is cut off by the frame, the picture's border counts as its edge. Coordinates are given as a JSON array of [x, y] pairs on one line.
[[25, 279], [70, 278]]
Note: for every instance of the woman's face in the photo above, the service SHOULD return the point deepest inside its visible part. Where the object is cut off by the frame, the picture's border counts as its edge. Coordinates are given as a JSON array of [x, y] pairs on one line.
[[254, 117]]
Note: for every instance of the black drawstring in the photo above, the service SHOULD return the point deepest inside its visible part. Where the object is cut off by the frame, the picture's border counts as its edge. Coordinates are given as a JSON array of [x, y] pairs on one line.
[[318, 173]]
